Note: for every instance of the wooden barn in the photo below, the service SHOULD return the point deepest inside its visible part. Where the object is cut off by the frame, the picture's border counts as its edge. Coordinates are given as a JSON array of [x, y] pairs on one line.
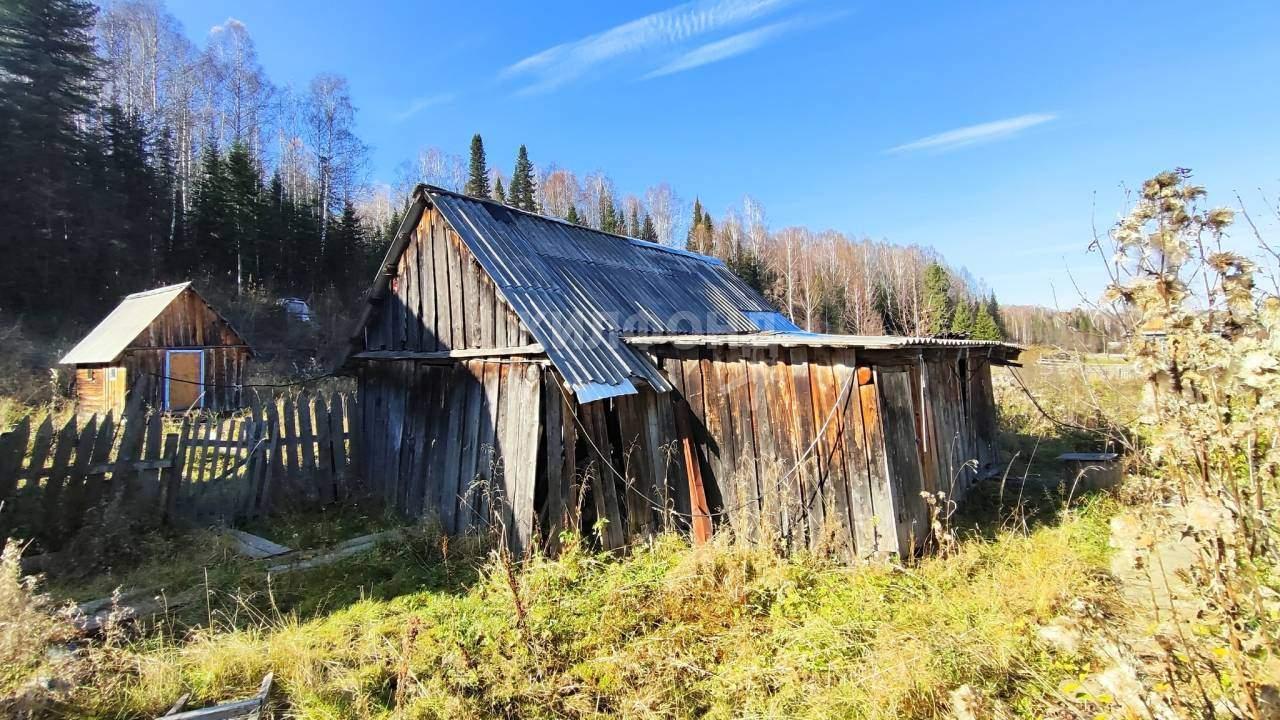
[[170, 343], [520, 370]]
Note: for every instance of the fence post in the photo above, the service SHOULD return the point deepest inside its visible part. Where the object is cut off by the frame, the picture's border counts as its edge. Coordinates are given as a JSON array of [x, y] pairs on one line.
[[171, 476]]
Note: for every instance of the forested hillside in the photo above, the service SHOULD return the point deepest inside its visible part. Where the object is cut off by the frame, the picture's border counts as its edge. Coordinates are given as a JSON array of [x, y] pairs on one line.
[[135, 157]]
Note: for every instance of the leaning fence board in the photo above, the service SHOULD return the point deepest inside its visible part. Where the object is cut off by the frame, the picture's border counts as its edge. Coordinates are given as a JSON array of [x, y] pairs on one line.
[[72, 505], [324, 451], [96, 483], [40, 449], [13, 445], [65, 444]]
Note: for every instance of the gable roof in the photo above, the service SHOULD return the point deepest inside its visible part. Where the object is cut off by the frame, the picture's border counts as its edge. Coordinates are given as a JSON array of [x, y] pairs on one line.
[[579, 290], [105, 342]]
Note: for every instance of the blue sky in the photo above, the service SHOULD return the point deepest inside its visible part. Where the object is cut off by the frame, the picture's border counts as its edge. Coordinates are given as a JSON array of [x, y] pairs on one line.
[[993, 131]]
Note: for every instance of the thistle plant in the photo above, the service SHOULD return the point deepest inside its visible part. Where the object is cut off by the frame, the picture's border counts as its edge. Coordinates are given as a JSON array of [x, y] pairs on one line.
[[1208, 340]]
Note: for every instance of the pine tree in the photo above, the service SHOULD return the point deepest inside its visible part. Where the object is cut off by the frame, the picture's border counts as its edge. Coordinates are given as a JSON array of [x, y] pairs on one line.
[[753, 270], [478, 175], [648, 232], [993, 309], [209, 220], [244, 200], [937, 301], [985, 327], [522, 182], [690, 240], [962, 321], [572, 215], [498, 193], [47, 86], [608, 220], [633, 226]]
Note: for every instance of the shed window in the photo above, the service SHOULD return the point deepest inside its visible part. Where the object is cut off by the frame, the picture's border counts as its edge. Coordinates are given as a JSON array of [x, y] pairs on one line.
[[91, 374]]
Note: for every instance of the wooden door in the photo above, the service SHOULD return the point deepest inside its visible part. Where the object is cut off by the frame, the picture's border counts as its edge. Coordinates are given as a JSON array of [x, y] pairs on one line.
[[184, 386], [115, 388]]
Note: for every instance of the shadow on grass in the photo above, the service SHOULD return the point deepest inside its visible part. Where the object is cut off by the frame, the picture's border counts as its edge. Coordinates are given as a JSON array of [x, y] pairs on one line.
[[200, 577]]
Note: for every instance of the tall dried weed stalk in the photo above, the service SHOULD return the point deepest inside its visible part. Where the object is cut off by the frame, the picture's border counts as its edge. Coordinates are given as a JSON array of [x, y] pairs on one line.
[[1208, 340]]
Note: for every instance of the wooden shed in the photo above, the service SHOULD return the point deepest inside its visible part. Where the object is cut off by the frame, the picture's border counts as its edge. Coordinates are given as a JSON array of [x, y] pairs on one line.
[[519, 370], [167, 342]]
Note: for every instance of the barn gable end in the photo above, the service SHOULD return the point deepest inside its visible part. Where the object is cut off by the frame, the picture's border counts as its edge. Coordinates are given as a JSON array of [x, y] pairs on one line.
[[438, 298], [188, 321]]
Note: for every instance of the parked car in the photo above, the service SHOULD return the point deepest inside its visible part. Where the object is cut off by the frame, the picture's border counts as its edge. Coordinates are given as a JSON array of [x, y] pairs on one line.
[[296, 308]]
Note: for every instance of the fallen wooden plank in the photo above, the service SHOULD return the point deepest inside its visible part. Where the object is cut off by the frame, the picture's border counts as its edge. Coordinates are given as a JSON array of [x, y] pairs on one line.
[[355, 546], [254, 546], [249, 709]]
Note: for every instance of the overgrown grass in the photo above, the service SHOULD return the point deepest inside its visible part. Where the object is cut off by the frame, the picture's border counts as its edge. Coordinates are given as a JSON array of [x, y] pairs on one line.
[[667, 631]]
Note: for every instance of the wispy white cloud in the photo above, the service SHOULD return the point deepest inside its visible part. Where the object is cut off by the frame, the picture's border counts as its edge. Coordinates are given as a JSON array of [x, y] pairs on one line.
[[557, 65], [420, 104], [731, 46], [975, 134]]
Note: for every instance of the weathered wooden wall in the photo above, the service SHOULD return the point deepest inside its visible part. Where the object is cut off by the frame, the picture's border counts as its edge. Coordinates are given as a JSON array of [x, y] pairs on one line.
[[224, 369], [617, 460], [904, 426], [440, 299], [488, 441], [459, 441], [188, 322], [100, 389]]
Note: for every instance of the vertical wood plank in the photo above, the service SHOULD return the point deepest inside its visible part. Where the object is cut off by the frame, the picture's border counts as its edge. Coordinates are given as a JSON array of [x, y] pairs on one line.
[[427, 287], [64, 446], [471, 436], [13, 446], [324, 447], [444, 313], [171, 477], [73, 504], [40, 448], [524, 467], [489, 453]]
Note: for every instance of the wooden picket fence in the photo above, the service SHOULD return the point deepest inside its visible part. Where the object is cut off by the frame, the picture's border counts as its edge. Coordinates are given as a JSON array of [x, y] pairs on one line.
[[290, 453]]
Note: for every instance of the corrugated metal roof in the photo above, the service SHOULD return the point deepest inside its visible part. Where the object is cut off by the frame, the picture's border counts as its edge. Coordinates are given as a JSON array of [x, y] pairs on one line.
[[587, 296], [808, 339], [106, 341], [580, 290]]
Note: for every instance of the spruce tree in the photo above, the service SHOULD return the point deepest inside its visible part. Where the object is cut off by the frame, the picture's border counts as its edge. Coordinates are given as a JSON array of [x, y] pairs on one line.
[[993, 309], [690, 241], [937, 301], [962, 321], [985, 327], [572, 215], [498, 193], [633, 227], [522, 182], [608, 220], [478, 174], [209, 220], [244, 200], [647, 231], [48, 83]]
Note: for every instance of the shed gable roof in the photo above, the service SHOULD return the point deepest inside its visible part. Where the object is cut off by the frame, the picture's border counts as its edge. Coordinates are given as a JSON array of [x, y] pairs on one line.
[[122, 326], [579, 290]]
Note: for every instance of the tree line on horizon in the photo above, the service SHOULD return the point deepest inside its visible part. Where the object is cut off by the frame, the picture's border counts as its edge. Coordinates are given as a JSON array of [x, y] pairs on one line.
[[136, 158]]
